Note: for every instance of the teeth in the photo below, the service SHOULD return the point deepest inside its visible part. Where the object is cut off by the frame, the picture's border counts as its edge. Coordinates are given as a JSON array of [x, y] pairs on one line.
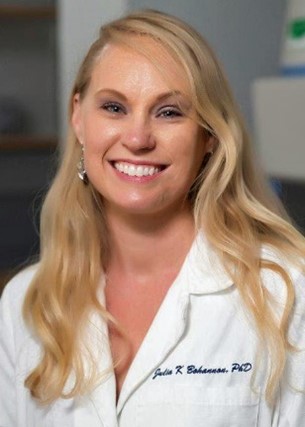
[[140, 171], [136, 170]]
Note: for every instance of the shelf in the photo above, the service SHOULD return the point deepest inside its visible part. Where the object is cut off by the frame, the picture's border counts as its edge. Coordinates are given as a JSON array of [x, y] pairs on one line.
[[28, 12], [25, 143]]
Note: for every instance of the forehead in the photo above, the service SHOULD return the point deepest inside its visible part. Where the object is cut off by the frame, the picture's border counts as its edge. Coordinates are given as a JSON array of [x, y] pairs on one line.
[[141, 63]]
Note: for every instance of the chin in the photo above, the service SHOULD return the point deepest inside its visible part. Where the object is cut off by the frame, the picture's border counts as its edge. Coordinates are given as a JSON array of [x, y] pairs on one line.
[[138, 209], [135, 207]]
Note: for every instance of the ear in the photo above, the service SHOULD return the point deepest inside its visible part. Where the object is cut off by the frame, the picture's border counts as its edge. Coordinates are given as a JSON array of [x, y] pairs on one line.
[[76, 121], [210, 142]]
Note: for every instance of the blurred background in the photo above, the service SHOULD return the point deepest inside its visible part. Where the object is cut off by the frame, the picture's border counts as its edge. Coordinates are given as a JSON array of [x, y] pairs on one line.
[[260, 44]]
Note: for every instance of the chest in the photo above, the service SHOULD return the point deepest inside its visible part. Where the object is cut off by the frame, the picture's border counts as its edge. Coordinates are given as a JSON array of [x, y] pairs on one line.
[[134, 311]]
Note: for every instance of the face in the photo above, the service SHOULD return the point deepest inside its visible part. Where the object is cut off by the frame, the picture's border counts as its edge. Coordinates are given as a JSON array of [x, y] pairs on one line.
[[142, 146]]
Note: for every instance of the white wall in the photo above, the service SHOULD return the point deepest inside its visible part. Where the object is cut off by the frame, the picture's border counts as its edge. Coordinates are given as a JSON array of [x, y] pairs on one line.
[[78, 25]]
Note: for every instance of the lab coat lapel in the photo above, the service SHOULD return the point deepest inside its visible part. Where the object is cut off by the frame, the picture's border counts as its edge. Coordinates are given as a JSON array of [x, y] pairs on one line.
[[98, 409], [204, 271], [166, 330]]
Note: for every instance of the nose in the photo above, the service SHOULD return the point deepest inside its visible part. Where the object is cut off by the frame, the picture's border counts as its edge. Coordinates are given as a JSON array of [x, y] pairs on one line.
[[138, 135]]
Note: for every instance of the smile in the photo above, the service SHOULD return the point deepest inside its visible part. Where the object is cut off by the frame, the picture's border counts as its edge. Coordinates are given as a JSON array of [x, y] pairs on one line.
[[136, 170]]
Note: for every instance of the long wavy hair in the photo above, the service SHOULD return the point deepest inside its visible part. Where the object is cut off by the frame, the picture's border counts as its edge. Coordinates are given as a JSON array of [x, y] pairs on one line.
[[231, 203]]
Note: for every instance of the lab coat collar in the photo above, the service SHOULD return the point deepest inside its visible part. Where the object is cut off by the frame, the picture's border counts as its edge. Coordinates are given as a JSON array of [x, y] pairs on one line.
[[204, 271]]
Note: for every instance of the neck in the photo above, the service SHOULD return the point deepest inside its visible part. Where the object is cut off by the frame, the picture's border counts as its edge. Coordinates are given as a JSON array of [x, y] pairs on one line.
[[143, 247]]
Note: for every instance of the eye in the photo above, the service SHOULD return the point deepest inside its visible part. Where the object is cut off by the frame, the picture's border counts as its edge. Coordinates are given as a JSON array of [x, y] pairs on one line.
[[113, 107], [169, 112]]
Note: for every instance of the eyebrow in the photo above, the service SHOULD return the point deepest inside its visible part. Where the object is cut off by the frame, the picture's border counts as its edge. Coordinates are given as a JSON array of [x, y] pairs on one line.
[[160, 98]]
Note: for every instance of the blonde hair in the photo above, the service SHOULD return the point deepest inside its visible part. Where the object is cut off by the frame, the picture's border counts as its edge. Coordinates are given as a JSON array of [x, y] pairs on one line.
[[231, 203]]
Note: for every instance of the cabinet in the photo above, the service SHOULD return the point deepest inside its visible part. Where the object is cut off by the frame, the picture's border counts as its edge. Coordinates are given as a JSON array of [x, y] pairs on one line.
[[28, 124], [28, 71]]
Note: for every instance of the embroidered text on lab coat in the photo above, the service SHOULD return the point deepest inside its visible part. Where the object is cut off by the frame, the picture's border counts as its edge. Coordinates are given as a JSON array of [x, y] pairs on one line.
[[200, 370]]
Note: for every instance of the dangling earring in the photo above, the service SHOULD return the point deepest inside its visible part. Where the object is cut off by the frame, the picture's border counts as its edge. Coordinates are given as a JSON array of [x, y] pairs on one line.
[[81, 171]]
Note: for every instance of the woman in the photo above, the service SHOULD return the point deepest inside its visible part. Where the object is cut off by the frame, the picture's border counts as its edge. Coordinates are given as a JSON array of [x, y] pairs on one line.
[[170, 288]]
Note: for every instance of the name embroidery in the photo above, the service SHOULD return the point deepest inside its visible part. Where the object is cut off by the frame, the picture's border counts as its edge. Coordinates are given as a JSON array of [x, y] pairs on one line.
[[201, 370]]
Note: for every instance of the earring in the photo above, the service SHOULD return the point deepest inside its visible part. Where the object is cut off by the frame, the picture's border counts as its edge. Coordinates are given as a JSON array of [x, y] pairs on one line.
[[81, 171]]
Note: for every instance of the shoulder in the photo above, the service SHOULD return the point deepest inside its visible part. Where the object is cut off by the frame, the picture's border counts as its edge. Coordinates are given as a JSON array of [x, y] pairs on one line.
[[17, 287], [274, 280], [18, 346], [13, 296], [295, 271]]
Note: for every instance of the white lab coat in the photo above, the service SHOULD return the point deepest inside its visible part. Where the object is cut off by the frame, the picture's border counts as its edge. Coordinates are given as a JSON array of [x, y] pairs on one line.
[[193, 368]]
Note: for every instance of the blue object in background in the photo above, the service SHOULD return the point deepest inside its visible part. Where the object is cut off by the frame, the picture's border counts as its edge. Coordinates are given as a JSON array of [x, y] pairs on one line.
[[296, 71], [277, 186]]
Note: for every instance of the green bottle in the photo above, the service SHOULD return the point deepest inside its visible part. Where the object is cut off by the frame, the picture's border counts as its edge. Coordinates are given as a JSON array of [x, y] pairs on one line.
[[293, 52]]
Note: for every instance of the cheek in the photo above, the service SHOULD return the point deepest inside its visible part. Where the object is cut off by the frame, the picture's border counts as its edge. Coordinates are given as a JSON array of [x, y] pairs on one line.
[[99, 134], [192, 155], [188, 167]]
